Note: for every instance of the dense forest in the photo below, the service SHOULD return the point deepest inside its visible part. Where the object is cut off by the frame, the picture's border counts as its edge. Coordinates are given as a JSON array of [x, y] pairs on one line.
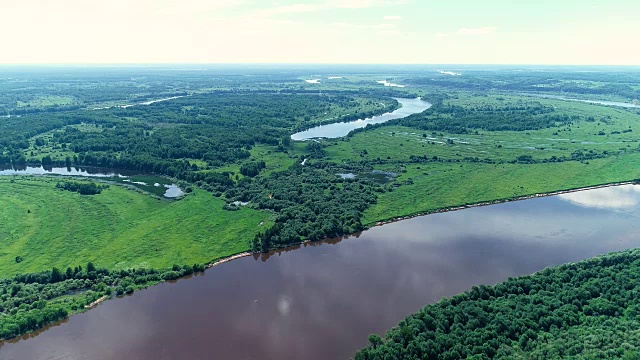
[[31, 301], [23, 89], [218, 129], [504, 116], [585, 310], [312, 202]]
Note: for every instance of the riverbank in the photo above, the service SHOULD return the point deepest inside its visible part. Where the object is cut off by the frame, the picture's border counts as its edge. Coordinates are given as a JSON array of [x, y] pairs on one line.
[[445, 210], [227, 259], [498, 201], [337, 129], [240, 255], [160, 187], [407, 265], [97, 302], [387, 109]]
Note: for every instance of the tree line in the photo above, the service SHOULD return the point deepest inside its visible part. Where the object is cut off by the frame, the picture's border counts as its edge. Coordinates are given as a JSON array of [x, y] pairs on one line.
[[30, 301], [543, 82], [584, 310], [83, 188]]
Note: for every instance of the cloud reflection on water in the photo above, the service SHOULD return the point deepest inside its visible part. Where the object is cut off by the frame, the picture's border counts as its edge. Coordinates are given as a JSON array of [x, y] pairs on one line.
[[321, 301], [618, 197]]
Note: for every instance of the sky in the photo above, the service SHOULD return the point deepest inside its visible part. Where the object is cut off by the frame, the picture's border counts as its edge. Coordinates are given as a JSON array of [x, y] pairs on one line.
[[571, 32]]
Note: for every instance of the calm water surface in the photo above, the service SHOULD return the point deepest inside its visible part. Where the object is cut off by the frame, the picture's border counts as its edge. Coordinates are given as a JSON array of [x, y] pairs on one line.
[[597, 102], [71, 171], [173, 191], [321, 302], [336, 130]]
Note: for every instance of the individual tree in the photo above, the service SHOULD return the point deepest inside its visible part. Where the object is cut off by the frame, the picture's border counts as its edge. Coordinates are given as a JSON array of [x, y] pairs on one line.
[[375, 340], [56, 275]]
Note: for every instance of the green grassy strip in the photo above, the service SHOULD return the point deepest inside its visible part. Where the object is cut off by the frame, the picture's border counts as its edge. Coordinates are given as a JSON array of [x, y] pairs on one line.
[[117, 229], [439, 186]]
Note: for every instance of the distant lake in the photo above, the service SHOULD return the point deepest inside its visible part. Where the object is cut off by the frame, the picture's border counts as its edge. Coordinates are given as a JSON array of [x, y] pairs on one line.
[[170, 190], [597, 102], [336, 130], [322, 300]]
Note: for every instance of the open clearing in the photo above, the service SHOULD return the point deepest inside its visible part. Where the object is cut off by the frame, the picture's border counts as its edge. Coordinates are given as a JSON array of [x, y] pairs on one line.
[[119, 228]]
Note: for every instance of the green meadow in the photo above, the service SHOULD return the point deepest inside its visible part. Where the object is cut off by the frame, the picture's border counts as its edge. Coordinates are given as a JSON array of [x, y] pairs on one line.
[[117, 229], [40, 102], [438, 186], [461, 175], [123, 228]]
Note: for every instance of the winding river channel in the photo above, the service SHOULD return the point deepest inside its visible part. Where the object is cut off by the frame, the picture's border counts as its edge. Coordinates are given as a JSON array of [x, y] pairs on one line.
[[340, 129], [321, 301]]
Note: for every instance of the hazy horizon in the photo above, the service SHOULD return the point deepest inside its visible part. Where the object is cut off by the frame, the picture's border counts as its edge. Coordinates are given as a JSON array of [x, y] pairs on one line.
[[312, 65], [353, 32]]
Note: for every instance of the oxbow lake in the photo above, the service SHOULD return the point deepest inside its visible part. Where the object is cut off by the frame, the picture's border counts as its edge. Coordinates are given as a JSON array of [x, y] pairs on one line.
[[340, 129], [167, 188], [322, 300]]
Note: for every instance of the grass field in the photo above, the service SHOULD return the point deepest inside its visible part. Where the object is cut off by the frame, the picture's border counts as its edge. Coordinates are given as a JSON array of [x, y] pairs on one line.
[[40, 102], [118, 228], [398, 143], [121, 228], [436, 186], [274, 160]]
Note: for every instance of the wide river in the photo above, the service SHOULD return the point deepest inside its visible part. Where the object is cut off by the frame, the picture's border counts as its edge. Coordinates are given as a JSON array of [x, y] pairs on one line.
[[340, 129], [321, 301]]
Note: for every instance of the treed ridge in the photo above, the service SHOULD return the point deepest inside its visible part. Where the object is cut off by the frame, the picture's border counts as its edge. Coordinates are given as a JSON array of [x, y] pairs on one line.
[[588, 309]]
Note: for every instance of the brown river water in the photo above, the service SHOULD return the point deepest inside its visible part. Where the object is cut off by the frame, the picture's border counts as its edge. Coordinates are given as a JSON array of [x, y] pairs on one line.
[[321, 301]]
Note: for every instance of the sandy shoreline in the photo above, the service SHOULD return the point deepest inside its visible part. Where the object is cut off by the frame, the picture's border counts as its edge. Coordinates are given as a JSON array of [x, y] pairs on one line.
[[95, 303], [227, 259]]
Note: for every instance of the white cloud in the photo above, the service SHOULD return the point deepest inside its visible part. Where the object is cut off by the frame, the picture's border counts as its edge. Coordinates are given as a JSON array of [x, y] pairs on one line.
[[288, 9], [389, 32], [387, 27], [327, 5], [485, 30], [392, 17], [361, 4], [441, 34]]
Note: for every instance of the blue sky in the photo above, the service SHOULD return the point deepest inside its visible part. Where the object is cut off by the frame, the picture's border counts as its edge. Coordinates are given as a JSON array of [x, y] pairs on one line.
[[605, 32]]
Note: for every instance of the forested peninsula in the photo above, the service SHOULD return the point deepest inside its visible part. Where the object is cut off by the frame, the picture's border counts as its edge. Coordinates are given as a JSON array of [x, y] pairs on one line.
[[584, 310]]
